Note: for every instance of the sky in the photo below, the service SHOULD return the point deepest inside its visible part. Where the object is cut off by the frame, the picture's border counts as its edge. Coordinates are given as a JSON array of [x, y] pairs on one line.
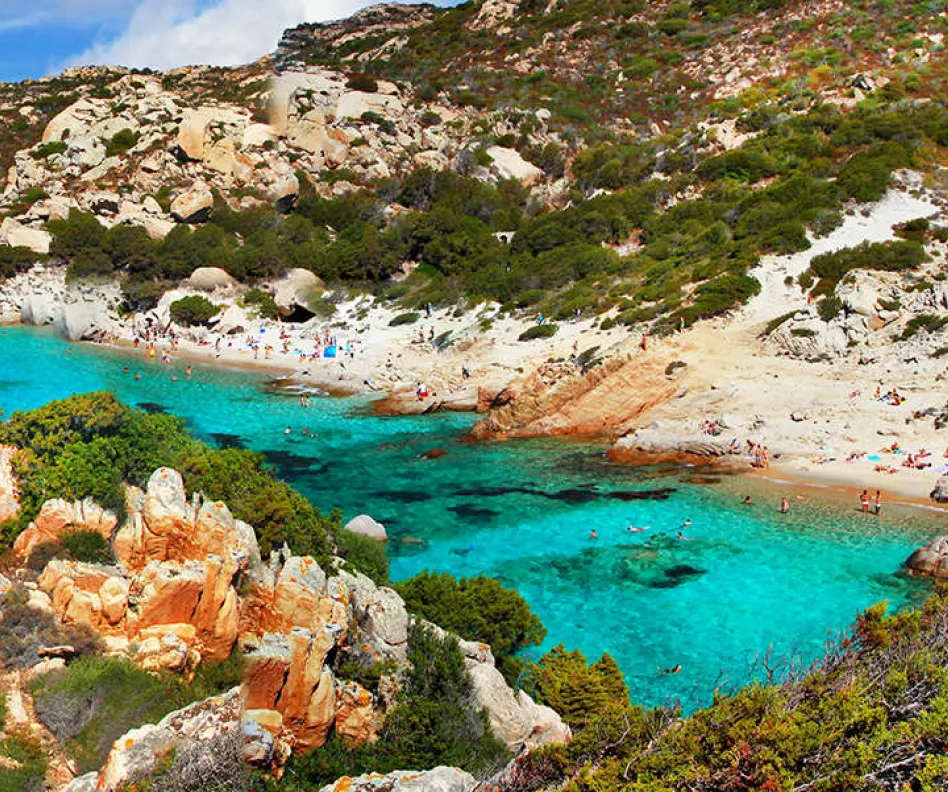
[[40, 37]]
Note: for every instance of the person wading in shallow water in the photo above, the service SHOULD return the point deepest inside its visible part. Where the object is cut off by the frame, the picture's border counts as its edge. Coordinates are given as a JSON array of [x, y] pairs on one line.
[[784, 505]]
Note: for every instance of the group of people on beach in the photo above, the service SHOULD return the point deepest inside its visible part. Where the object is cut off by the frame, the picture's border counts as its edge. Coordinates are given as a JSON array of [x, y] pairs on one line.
[[865, 500]]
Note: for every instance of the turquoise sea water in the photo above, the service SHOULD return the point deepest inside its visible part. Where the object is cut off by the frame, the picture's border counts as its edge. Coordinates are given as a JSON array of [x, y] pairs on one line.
[[746, 580]]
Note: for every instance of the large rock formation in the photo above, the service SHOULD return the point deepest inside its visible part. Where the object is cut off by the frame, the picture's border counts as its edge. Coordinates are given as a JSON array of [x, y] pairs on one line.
[[557, 399], [930, 560], [172, 601]]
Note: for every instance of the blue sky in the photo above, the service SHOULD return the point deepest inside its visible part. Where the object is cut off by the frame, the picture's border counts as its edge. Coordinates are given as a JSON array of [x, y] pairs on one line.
[[40, 37]]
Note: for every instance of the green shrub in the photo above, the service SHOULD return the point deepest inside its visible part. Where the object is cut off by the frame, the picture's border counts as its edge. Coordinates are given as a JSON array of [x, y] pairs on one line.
[[894, 256], [580, 693], [803, 332], [265, 304], [95, 700], [478, 609], [120, 142], [429, 119], [86, 546], [46, 150], [829, 308], [547, 330], [88, 445], [927, 322], [193, 310], [363, 82], [407, 318]]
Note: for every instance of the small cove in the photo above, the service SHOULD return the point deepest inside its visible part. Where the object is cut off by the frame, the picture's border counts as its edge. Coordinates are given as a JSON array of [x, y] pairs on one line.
[[746, 579]]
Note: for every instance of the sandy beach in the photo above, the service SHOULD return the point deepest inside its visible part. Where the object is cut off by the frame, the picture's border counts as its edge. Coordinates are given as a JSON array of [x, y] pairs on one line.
[[825, 420]]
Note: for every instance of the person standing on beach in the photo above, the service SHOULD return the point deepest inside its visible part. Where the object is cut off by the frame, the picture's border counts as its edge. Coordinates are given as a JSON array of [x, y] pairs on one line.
[[864, 501], [878, 504]]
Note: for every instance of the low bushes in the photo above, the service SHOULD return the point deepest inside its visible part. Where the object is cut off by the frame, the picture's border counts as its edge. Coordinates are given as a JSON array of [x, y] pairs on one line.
[[407, 318], [89, 445], [538, 331], [193, 310], [894, 256], [25, 765]]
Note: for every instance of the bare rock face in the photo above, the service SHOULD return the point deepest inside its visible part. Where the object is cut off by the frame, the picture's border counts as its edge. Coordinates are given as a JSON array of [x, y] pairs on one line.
[[286, 675], [508, 164], [514, 718], [366, 526], [58, 517], [356, 718], [298, 288], [930, 560], [82, 321], [441, 779], [16, 234], [194, 206], [208, 279]]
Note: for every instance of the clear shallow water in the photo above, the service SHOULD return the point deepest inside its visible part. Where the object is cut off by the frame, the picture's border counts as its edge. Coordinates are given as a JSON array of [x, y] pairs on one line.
[[748, 579]]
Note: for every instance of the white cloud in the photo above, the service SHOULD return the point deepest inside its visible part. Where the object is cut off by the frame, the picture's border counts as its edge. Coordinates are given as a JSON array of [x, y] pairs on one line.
[[163, 34]]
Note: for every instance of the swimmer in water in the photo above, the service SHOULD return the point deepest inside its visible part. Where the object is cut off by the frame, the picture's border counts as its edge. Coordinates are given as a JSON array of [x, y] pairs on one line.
[[593, 534], [674, 670], [683, 537], [138, 376], [187, 371], [125, 370], [287, 431], [747, 500], [633, 529]]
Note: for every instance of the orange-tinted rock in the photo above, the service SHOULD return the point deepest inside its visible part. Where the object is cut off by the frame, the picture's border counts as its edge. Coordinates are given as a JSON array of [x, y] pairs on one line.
[[320, 714], [58, 517], [265, 672], [356, 719], [168, 593], [555, 399], [163, 526], [297, 598]]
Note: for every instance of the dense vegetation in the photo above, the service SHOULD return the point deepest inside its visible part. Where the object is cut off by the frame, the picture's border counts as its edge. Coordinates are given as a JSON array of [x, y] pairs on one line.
[[478, 609], [872, 715], [91, 445], [692, 258]]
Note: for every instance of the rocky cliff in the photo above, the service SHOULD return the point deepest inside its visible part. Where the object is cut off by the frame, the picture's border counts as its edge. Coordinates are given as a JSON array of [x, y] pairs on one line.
[[188, 586]]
